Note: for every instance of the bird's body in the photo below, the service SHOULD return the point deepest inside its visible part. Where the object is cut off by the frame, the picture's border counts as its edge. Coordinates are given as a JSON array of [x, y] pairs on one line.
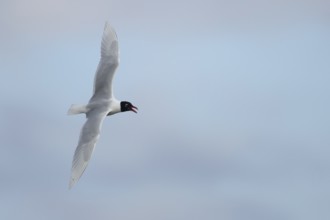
[[101, 104]]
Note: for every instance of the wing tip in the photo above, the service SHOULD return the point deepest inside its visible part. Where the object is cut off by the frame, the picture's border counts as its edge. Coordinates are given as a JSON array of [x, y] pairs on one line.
[[107, 24], [109, 43], [72, 183], [109, 28]]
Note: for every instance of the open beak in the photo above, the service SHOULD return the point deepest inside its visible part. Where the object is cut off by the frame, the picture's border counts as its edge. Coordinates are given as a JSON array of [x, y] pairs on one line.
[[134, 109]]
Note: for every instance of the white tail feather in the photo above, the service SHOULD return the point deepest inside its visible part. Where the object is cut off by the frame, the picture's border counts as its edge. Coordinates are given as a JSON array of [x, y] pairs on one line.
[[77, 109]]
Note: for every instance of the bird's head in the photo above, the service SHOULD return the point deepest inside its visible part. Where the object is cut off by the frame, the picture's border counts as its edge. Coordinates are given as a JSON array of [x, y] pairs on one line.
[[127, 106]]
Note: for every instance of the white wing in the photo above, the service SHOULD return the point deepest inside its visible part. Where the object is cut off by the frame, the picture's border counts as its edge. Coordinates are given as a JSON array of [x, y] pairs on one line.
[[107, 66], [89, 135]]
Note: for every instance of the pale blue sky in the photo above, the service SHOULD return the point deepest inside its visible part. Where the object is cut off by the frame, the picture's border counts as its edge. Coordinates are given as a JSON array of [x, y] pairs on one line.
[[233, 121]]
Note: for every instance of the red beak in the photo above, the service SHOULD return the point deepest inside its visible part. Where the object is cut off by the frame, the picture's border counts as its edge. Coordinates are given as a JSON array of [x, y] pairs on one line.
[[134, 109]]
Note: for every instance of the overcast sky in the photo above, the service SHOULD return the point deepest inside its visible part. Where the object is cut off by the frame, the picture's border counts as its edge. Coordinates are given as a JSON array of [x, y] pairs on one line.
[[233, 121]]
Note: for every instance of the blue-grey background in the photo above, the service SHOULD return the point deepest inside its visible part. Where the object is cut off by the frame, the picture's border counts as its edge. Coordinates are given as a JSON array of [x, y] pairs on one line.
[[233, 121]]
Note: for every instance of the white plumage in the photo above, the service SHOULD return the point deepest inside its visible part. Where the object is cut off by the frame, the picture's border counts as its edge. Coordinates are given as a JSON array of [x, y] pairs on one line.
[[101, 104]]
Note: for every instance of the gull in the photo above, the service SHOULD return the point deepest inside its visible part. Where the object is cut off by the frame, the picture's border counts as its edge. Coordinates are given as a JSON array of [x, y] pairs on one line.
[[101, 104]]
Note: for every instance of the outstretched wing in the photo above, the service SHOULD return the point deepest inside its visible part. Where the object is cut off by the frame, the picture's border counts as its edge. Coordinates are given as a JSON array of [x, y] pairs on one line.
[[107, 66], [89, 135]]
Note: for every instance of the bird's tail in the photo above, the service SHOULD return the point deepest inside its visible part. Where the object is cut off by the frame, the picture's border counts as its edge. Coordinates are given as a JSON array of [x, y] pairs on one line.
[[77, 109]]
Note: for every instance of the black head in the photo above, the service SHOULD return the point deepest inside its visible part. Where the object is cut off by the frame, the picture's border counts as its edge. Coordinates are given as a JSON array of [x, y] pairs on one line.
[[127, 106]]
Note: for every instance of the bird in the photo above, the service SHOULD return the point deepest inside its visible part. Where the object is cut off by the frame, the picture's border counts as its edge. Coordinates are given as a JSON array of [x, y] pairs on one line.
[[102, 103]]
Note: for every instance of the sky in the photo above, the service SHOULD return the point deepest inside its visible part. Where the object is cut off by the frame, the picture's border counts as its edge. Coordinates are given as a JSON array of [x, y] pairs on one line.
[[233, 118]]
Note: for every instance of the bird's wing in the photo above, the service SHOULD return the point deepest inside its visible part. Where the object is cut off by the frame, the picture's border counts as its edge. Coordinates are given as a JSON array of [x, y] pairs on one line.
[[107, 66], [89, 135]]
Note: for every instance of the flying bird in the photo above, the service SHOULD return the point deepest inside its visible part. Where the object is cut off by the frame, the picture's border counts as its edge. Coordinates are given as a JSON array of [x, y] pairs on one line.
[[101, 104]]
